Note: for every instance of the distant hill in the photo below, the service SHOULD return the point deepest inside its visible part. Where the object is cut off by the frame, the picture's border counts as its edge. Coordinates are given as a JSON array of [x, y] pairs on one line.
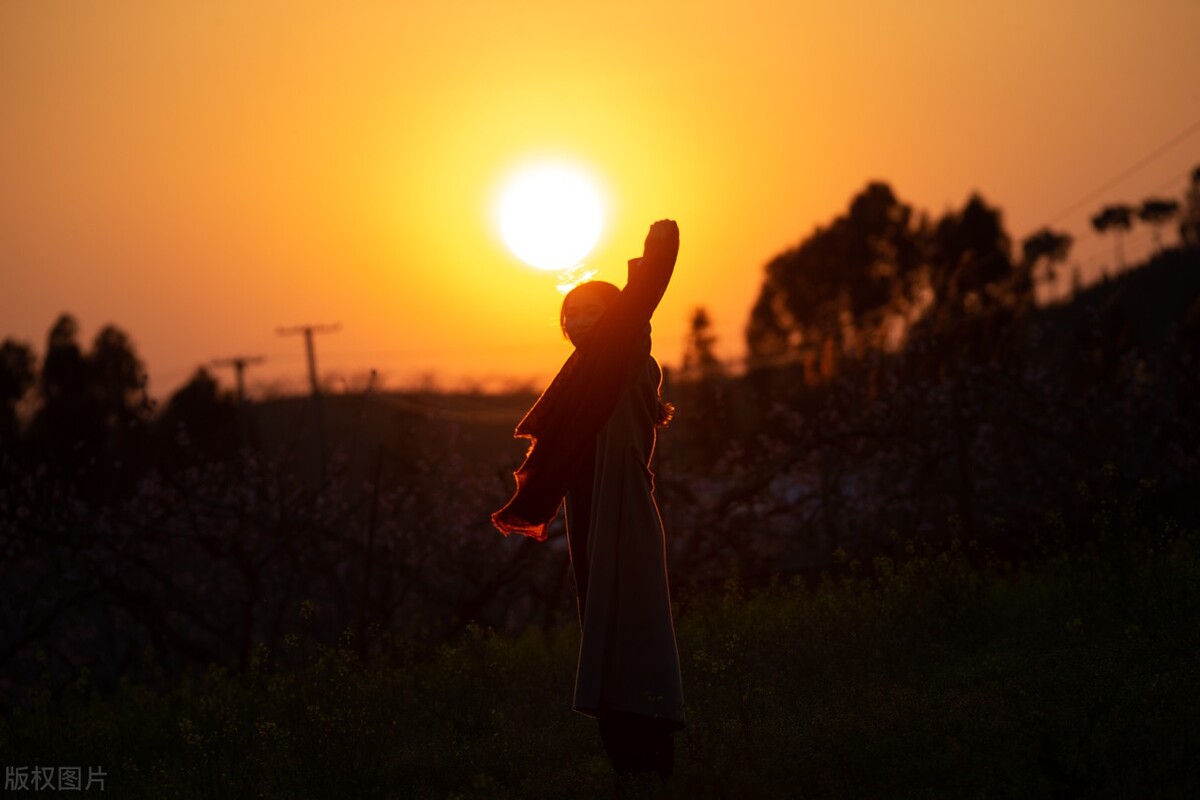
[[1147, 304]]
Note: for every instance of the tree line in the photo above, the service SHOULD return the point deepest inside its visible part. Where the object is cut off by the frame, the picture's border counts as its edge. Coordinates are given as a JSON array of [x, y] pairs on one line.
[[883, 273], [85, 414]]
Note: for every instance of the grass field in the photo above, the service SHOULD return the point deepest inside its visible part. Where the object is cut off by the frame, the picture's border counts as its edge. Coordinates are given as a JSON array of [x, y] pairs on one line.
[[935, 677]]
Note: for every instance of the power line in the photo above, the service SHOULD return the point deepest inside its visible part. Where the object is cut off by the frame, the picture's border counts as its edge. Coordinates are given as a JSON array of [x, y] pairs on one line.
[[1182, 176], [1094, 258], [1179, 137]]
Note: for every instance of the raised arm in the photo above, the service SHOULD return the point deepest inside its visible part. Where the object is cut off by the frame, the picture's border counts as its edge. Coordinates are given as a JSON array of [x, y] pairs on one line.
[[650, 274], [628, 315]]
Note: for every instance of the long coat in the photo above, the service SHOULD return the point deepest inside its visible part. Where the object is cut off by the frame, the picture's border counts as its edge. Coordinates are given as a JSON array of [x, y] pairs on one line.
[[628, 658]]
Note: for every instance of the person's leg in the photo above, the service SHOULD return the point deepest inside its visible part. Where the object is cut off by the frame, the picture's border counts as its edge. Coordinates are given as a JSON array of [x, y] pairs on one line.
[[637, 743], [662, 745]]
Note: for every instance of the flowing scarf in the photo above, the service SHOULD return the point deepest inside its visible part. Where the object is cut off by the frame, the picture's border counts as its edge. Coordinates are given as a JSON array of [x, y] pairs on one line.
[[564, 421]]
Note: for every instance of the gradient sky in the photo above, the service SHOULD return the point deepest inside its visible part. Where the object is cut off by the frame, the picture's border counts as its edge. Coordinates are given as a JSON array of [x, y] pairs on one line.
[[201, 173]]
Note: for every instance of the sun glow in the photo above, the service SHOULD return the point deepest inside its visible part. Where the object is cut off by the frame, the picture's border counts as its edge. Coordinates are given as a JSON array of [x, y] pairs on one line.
[[550, 216]]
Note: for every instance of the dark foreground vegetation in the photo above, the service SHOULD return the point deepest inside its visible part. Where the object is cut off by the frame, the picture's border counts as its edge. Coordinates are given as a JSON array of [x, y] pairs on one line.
[[936, 540], [936, 675]]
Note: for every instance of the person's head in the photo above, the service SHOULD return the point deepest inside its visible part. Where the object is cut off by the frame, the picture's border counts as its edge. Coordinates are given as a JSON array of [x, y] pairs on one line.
[[583, 306]]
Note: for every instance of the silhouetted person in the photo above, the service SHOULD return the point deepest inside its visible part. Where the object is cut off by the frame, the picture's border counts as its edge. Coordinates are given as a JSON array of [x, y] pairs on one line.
[[593, 433]]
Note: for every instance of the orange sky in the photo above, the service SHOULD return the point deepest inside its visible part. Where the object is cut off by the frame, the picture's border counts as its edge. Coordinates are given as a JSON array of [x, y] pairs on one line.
[[202, 173]]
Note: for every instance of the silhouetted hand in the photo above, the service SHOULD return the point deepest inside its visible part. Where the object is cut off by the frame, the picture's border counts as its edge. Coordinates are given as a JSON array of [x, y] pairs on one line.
[[663, 237]]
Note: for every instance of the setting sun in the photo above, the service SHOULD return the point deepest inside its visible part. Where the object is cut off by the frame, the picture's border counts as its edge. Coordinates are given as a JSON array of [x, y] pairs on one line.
[[550, 216]]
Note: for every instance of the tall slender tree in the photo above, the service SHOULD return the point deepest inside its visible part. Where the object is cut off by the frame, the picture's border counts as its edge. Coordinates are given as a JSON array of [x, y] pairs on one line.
[[1157, 212], [118, 376], [699, 358], [1117, 218], [91, 420], [68, 425], [1046, 249], [704, 413]]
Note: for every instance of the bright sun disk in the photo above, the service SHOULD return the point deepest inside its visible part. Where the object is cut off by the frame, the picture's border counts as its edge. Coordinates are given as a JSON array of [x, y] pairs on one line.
[[550, 216]]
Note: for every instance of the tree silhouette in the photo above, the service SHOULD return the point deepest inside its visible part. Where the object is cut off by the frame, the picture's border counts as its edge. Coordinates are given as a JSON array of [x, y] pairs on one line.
[[1156, 212], [118, 378], [704, 411], [91, 423], [1189, 221], [64, 373], [18, 372], [1118, 219], [698, 356], [1048, 248], [769, 334], [840, 287], [118, 382], [883, 239], [199, 420], [849, 287], [68, 426], [970, 266]]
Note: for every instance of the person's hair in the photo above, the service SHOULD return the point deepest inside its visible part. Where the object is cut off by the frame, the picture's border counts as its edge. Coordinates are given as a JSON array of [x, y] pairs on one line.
[[605, 291], [602, 290]]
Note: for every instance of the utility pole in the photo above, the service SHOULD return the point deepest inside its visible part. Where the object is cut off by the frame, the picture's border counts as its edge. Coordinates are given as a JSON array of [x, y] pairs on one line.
[[308, 331], [239, 364]]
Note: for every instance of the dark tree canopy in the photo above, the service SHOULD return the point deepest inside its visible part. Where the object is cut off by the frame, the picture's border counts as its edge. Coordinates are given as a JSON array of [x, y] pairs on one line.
[[1048, 248], [1117, 218], [68, 425], [1156, 212], [881, 268], [92, 424], [91, 403], [64, 372], [200, 417], [18, 372], [843, 281], [969, 259], [117, 373]]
